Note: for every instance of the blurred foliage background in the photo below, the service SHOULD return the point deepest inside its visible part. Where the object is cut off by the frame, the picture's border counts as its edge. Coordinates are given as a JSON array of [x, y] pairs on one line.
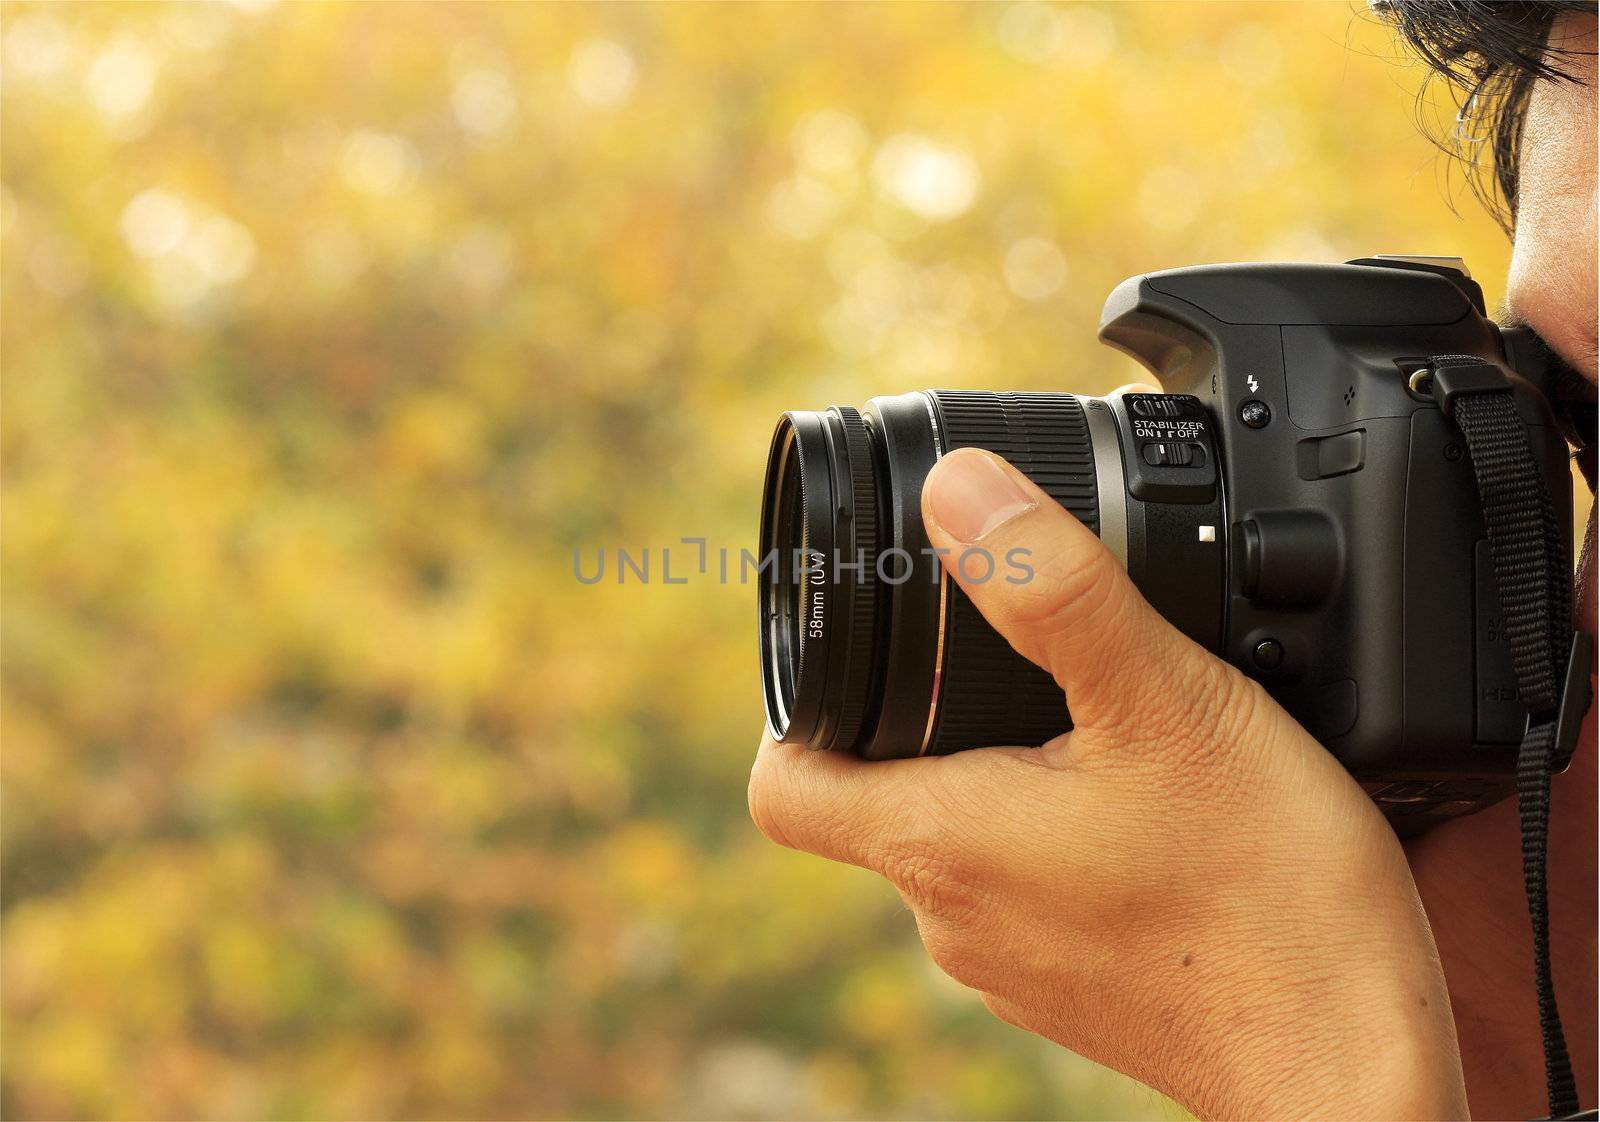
[[331, 331]]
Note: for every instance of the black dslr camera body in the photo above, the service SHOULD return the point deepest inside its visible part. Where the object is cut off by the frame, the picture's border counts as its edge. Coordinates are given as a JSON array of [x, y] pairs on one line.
[[1296, 502]]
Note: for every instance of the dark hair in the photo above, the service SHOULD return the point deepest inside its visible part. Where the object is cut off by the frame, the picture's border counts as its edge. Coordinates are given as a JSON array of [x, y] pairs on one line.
[[1490, 52]]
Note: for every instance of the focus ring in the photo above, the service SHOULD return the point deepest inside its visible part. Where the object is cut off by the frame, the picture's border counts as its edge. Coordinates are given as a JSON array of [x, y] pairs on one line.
[[990, 694], [861, 602]]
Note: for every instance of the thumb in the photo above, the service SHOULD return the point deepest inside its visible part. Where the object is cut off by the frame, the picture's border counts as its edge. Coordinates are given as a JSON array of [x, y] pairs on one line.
[[1078, 615]]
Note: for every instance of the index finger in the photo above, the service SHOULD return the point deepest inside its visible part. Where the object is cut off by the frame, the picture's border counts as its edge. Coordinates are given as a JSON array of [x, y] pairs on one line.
[[832, 804]]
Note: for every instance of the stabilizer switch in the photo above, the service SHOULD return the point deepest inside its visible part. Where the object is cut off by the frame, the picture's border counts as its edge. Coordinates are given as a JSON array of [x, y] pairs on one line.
[[1164, 453], [1170, 457]]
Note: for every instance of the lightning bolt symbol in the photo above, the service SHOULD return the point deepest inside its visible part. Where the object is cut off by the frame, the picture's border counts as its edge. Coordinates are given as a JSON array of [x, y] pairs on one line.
[[1250, 380]]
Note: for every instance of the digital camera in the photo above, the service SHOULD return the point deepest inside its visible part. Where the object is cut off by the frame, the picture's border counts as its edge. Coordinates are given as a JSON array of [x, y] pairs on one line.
[[1296, 502]]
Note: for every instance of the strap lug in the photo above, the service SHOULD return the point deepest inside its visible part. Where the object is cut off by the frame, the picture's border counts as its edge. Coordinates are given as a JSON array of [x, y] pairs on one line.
[[1451, 380]]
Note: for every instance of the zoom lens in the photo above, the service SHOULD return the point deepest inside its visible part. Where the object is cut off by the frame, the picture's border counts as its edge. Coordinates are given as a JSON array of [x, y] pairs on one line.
[[866, 645]]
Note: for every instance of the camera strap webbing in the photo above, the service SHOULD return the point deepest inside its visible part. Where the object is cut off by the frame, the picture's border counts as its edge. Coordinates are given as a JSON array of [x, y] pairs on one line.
[[1551, 658]]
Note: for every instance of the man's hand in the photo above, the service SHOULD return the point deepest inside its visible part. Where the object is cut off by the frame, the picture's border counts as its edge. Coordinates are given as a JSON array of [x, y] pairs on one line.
[[1186, 887]]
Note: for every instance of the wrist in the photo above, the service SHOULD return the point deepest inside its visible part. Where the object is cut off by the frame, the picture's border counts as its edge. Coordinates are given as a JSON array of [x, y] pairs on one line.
[[1353, 1023], [1394, 1063]]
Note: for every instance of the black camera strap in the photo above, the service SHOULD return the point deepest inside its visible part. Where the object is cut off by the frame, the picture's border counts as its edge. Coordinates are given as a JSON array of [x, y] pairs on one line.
[[1552, 659]]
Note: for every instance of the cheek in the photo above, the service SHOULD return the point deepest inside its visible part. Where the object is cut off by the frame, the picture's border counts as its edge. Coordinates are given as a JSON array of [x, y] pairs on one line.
[[1552, 283], [1552, 289]]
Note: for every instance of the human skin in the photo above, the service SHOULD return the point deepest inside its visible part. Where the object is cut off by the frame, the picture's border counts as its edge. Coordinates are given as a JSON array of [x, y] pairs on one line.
[[1469, 872], [1187, 887]]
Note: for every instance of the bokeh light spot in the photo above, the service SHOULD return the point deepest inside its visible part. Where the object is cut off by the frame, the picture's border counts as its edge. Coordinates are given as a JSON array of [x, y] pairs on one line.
[[122, 78], [37, 45], [377, 163], [602, 73], [932, 180], [1090, 37], [801, 207], [830, 142], [155, 222], [484, 102], [1250, 54], [1032, 31], [221, 249], [1035, 268], [1169, 198]]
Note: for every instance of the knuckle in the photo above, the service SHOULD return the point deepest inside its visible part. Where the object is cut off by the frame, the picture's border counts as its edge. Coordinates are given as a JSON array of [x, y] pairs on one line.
[[763, 813], [1069, 595], [770, 805], [954, 951], [1240, 702], [930, 881], [1008, 1011], [1204, 709], [1228, 706], [1205, 737]]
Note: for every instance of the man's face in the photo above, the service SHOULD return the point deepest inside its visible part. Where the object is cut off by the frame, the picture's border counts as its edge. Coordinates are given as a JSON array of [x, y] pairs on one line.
[[1552, 282]]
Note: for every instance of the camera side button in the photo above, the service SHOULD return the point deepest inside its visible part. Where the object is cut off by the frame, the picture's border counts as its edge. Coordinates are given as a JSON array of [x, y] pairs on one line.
[[1324, 457], [1255, 414], [1268, 654]]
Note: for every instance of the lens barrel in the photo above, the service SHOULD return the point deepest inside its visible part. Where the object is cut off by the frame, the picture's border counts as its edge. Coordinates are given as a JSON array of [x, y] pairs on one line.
[[990, 694], [867, 646]]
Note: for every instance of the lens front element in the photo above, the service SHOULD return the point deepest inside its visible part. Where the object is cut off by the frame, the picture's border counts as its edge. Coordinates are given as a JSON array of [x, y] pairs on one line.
[[818, 597]]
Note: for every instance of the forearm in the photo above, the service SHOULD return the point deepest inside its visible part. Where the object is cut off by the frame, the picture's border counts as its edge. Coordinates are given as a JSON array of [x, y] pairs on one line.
[[1401, 1064], [1469, 874], [1359, 1029]]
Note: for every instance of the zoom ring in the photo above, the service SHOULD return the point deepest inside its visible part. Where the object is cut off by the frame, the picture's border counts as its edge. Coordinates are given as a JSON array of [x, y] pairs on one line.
[[862, 590], [1045, 435], [990, 694]]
